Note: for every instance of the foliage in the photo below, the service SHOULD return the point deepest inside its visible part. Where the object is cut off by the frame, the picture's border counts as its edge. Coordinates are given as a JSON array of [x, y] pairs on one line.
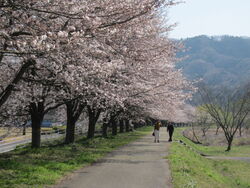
[[110, 56]]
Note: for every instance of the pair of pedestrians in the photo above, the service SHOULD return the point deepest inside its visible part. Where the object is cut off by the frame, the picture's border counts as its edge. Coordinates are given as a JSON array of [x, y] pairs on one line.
[[156, 133]]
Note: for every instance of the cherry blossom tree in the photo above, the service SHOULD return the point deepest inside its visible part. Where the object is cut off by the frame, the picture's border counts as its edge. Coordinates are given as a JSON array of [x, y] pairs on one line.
[[106, 56]]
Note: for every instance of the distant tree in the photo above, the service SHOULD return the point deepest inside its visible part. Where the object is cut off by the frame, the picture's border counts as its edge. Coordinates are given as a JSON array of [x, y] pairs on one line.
[[203, 120], [191, 115], [228, 108]]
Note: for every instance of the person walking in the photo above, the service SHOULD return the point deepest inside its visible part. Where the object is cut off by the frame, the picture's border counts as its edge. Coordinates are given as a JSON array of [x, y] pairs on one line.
[[157, 131], [170, 130]]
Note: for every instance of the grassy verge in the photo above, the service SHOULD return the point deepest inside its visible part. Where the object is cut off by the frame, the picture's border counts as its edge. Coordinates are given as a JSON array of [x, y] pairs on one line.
[[28, 167], [189, 169], [236, 151]]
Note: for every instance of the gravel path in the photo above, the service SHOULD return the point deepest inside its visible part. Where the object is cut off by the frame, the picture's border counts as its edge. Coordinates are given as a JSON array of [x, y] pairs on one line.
[[141, 164]]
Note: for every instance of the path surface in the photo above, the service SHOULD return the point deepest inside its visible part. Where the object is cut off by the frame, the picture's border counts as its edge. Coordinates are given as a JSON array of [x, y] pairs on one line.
[[137, 165]]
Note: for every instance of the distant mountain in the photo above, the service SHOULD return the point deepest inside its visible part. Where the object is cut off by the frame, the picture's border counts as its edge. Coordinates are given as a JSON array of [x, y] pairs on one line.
[[218, 60]]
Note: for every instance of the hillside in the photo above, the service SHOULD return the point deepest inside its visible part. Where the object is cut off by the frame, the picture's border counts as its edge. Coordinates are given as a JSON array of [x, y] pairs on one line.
[[222, 60]]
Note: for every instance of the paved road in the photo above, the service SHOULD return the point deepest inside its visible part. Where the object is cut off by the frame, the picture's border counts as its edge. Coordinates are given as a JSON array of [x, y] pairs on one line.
[[5, 147], [12, 145], [137, 165]]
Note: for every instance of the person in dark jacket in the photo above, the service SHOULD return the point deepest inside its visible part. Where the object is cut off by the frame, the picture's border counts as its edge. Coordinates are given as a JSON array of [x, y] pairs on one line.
[[170, 130]]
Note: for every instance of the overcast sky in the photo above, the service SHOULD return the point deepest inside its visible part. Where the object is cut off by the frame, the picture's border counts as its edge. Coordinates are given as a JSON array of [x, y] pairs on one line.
[[211, 17]]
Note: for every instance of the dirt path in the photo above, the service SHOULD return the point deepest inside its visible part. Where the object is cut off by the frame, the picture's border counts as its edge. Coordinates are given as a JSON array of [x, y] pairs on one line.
[[137, 165]]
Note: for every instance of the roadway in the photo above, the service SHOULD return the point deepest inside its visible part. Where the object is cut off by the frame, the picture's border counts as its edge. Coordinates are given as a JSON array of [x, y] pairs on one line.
[[5, 147]]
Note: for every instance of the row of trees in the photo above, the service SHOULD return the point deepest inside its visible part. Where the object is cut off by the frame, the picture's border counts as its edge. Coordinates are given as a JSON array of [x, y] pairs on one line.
[[109, 57]]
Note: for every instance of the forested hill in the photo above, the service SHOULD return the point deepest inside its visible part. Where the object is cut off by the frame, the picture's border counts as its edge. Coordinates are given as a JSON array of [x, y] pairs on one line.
[[218, 60]]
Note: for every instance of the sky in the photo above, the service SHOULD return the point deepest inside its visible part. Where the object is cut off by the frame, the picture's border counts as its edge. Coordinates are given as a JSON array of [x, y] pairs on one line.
[[210, 17]]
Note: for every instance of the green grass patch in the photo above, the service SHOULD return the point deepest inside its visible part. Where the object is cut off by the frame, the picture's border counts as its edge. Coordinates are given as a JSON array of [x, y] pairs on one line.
[[191, 170], [236, 151], [27, 167]]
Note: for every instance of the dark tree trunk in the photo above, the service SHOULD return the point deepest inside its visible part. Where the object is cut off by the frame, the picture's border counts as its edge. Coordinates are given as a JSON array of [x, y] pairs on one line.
[[74, 110], [5, 46], [36, 133], [195, 138], [7, 91], [204, 133], [114, 126], [93, 117], [127, 125], [148, 122], [37, 114], [135, 125], [92, 122], [70, 130], [105, 129], [24, 130], [229, 143], [240, 131], [121, 124], [217, 130]]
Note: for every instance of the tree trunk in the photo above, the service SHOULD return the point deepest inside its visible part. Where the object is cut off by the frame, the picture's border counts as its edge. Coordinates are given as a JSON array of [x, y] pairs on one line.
[[37, 114], [127, 125], [36, 130], [194, 136], [204, 132], [91, 130], [121, 124], [148, 122], [70, 130], [240, 131], [36, 135], [5, 46], [74, 110], [114, 127], [93, 117], [136, 125], [229, 144], [24, 129], [105, 129], [217, 130]]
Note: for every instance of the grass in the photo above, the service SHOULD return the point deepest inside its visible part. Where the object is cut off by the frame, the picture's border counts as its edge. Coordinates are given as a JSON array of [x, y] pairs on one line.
[[240, 147], [236, 150], [191, 170], [27, 167]]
